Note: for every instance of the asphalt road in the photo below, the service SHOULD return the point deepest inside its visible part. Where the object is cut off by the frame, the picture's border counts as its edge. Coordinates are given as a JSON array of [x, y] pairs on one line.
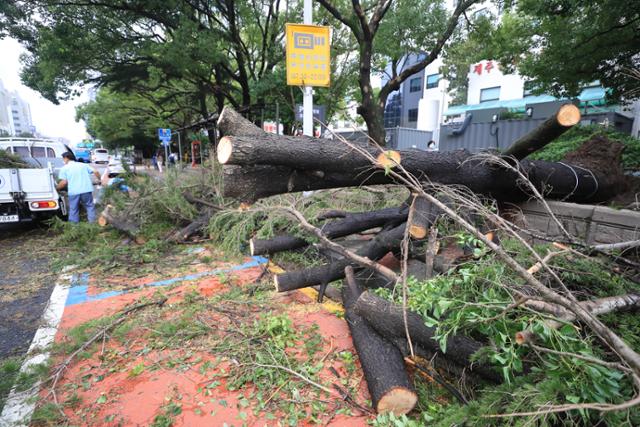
[[26, 282]]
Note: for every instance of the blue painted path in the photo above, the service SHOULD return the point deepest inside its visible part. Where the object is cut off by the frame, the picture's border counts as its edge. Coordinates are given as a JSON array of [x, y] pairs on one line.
[[80, 283]]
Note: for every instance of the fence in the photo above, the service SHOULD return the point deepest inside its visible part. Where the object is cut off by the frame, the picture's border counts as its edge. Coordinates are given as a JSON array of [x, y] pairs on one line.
[[501, 134]]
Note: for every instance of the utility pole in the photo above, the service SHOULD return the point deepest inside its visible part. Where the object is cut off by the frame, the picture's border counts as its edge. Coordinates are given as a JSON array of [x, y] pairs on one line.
[[307, 103]]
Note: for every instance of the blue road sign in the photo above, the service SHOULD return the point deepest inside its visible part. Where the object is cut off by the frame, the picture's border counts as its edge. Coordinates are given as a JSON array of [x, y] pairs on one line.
[[164, 134]]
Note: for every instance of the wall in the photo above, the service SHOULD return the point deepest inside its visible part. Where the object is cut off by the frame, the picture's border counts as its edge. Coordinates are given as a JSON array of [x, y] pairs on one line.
[[590, 223], [485, 74], [407, 138]]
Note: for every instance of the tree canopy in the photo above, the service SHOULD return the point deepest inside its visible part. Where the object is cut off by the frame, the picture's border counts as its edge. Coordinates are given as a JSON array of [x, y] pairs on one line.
[[562, 45]]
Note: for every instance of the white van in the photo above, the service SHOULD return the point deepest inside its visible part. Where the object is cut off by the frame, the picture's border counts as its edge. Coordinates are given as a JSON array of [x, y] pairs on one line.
[[100, 155], [38, 152]]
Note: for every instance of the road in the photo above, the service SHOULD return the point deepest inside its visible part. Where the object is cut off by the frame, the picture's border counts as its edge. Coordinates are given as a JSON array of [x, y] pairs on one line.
[[26, 282]]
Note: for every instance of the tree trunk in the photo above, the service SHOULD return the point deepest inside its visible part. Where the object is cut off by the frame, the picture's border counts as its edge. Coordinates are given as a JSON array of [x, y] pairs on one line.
[[231, 122], [381, 361], [375, 249], [333, 164], [352, 223], [314, 154], [387, 319], [250, 183], [565, 118]]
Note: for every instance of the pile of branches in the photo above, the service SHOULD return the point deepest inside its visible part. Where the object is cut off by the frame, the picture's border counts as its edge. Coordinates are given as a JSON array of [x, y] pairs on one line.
[[175, 207], [390, 329], [12, 161]]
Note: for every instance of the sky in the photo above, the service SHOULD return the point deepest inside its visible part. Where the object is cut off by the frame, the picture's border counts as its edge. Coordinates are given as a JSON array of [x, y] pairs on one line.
[[56, 121]]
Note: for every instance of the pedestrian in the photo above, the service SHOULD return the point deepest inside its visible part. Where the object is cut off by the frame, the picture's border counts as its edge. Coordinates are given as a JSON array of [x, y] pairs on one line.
[[77, 178], [160, 158]]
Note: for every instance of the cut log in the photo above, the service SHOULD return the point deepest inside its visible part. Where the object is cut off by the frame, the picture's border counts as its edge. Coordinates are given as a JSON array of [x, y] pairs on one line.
[[567, 116], [295, 152], [378, 247], [421, 215], [382, 363], [352, 223], [250, 183], [387, 319], [121, 223], [231, 122]]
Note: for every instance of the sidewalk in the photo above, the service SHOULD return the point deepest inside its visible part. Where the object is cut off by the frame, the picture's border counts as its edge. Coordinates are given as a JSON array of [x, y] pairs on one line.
[[223, 349]]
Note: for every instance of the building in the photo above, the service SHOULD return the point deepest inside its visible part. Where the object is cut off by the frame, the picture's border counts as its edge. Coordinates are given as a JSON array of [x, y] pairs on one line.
[[5, 111], [15, 113]]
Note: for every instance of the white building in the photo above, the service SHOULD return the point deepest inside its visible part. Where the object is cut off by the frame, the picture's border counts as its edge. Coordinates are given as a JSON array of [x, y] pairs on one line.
[[15, 113], [5, 110]]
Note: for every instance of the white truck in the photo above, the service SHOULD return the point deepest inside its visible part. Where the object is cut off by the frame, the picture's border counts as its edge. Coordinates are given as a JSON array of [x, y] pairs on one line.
[[29, 194]]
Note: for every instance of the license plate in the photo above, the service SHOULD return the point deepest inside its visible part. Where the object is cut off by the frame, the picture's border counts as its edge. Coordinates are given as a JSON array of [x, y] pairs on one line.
[[9, 218]]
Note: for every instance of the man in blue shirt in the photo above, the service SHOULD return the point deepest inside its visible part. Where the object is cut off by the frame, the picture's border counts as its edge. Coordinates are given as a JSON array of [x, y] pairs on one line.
[[77, 177]]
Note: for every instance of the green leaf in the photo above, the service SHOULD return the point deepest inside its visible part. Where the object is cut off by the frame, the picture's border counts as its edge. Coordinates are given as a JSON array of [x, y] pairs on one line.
[[137, 370]]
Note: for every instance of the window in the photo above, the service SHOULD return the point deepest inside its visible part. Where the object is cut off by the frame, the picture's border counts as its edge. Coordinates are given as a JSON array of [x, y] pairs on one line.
[[413, 115], [21, 151], [38, 152], [490, 94], [51, 153], [415, 84], [432, 81]]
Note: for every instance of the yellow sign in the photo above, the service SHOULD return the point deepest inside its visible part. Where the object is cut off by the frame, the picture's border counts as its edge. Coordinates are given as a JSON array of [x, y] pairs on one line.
[[308, 61]]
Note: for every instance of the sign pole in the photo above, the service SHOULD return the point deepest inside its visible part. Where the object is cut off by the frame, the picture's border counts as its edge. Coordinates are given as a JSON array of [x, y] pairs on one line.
[[166, 152], [179, 148], [307, 104]]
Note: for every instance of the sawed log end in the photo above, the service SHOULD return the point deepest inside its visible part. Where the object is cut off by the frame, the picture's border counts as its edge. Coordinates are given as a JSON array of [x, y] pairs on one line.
[[398, 400], [225, 149]]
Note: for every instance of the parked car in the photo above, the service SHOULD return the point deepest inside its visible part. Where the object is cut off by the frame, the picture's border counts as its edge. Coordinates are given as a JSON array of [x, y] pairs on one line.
[[100, 155]]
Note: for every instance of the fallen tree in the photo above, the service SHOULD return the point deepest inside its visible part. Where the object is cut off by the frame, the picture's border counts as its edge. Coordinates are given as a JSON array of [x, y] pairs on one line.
[[567, 116], [275, 164], [382, 364]]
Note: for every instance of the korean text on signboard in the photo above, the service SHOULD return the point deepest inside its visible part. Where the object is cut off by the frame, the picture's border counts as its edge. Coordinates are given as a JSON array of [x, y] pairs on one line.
[[308, 60]]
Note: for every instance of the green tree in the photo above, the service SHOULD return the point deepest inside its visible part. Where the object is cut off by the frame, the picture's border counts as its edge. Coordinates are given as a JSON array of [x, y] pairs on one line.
[[564, 45], [210, 51], [386, 31], [121, 120]]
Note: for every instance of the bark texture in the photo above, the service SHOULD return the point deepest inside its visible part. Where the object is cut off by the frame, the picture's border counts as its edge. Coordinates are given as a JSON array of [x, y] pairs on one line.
[[568, 115], [381, 361], [387, 319], [352, 223]]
